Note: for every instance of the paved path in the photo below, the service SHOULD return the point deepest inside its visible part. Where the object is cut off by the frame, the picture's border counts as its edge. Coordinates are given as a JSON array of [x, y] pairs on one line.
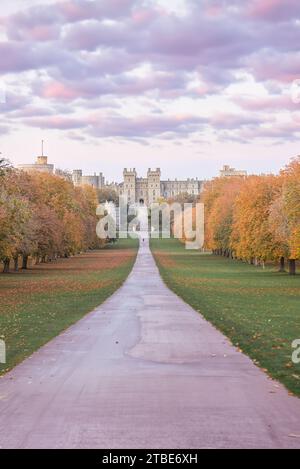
[[144, 370]]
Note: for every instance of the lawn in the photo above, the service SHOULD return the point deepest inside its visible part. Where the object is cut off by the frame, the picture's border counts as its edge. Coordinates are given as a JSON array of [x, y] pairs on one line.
[[36, 305], [259, 310]]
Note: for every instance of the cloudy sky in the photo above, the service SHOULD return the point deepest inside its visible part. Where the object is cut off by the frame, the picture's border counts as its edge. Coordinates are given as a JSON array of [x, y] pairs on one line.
[[114, 83]]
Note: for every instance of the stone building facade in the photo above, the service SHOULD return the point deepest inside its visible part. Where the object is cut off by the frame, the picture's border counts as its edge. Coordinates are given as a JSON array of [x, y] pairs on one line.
[[97, 180], [150, 189], [143, 190], [41, 165], [173, 188], [137, 189], [227, 171]]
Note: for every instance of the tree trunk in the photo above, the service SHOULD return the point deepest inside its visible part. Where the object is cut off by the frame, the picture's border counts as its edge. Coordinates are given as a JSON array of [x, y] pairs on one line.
[[282, 265], [16, 263], [24, 262], [292, 267], [6, 263]]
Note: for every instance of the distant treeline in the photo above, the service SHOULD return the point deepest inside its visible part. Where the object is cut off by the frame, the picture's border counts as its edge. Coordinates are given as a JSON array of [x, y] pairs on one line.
[[43, 216], [256, 219]]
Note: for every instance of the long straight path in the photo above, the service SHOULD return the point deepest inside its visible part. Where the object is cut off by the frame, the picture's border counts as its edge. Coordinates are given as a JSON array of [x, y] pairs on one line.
[[144, 370]]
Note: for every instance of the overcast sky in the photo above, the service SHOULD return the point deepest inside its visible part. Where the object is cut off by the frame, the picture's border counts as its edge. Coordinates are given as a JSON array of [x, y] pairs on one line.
[[114, 83]]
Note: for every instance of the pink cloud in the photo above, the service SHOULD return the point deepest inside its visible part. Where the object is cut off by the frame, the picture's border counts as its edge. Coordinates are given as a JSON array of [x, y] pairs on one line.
[[58, 90], [272, 65], [43, 33], [270, 103], [78, 10], [144, 16], [274, 10], [73, 11], [57, 122], [73, 53]]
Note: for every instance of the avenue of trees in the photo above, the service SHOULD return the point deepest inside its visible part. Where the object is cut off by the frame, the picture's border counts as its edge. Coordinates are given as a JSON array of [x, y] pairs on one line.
[[256, 219], [43, 216]]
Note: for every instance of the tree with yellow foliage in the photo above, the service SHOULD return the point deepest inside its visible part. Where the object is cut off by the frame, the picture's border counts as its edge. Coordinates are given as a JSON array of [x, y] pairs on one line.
[[44, 216], [255, 219]]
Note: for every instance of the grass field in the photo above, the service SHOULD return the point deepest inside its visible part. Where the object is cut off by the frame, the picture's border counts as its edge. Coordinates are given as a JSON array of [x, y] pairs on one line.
[[259, 310], [38, 304]]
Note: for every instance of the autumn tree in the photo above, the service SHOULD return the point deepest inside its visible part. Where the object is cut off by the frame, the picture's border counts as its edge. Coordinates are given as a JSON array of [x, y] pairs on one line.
[[291, 210], [14, 214], [44, 216], [107, 194], [252, 237], [219, 198]]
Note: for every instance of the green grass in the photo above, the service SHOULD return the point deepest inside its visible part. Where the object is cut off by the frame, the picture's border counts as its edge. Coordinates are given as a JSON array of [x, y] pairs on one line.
[[37, 305], [259, 310]]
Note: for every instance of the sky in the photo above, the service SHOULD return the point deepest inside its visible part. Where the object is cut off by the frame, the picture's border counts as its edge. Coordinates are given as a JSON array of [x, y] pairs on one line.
[[184, 85]]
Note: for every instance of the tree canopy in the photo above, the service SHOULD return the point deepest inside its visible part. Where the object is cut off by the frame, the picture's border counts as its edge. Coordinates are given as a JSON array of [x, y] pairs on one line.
[[44, 216], [255, 218]]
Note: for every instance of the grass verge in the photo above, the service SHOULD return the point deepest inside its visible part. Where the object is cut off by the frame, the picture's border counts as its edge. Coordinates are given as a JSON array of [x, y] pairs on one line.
[[259, 310], [36, 305]]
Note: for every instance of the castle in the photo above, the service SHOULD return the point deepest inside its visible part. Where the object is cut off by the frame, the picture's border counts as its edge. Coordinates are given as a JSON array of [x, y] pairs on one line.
[[137, 189], [142, 190]]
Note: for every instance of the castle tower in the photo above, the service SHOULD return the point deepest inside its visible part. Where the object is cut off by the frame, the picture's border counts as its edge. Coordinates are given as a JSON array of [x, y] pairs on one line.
[[41, 165], [42, 160], [130, 176], [77, 177], [154, 192]]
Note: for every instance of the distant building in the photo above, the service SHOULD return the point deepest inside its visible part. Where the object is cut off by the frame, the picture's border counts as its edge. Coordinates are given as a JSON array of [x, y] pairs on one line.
[[41, 165], [188, 186], [143, 190], [150, 189], [227, 171], [96, 181], [64, 174], [137, 189]]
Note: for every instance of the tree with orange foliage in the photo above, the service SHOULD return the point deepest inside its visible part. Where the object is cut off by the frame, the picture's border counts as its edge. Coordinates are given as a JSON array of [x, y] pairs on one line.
[[219, 202], [291, 210], [45, 216], [252, 237]]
